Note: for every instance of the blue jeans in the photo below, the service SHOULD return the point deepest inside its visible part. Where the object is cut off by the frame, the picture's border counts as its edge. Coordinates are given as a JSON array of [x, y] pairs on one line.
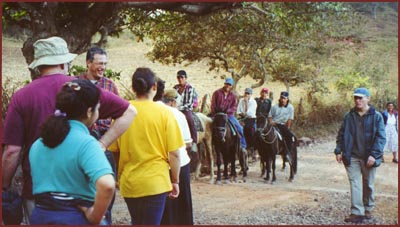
[[146, 210], [68, 216], [239, 128]]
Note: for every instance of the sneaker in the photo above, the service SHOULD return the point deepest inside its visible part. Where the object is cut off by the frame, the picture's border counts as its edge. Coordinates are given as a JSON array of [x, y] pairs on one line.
[[353, 218], [368, 214], [194, 147], [395, 161]]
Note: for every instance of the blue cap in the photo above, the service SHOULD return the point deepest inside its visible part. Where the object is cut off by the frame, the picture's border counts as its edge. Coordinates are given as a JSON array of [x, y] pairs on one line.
[[284, 94], [361, 92], [229, 81]]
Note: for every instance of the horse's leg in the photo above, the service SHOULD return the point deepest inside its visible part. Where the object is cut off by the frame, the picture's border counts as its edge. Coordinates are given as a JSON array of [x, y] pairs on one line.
[[293, 165], [198, 164], [218, 181], [274, 152], [209, 152]]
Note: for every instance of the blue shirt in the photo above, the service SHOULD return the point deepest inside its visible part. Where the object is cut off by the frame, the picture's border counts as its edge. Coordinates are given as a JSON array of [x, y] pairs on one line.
[[72, 167]]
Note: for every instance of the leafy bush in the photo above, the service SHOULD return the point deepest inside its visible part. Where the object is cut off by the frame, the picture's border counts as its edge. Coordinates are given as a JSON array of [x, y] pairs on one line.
[[9, 87], [77, 70]]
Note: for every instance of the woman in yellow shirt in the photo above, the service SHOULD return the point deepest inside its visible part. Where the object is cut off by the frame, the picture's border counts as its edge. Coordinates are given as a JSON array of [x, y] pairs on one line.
[[147, 150]]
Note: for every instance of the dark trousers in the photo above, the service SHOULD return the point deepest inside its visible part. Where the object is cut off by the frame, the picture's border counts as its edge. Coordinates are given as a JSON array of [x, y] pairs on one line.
[[248, 130], [288, 136], [179, 211], [189, 118], [111, 160], [147, 210]]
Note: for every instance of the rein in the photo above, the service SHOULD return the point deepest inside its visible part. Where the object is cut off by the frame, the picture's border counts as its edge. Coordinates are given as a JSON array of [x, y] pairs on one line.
[[264, 135]]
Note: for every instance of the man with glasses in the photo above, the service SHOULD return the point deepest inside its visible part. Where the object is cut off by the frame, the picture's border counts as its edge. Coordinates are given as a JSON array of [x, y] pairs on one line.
[[187, 93], [281, 116], [224, 100], [32, 104], [96, 62], [247, 111], [359, 145]]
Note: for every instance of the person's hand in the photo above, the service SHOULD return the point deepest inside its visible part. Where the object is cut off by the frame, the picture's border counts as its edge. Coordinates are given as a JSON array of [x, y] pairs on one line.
[[339, 158], [175, 191], [371, 161], [88, 214], [273, 123]]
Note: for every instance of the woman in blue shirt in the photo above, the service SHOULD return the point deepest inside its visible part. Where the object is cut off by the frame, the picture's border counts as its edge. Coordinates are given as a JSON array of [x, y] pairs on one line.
[[72, 179]]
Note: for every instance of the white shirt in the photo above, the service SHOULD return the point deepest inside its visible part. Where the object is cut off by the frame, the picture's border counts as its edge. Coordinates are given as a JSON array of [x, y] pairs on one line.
[[251, 108], [184, 128], [391, 119]]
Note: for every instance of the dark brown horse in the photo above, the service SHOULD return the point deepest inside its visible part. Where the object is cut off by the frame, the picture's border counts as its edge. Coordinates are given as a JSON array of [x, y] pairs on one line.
[[227, 145], [269, 144]]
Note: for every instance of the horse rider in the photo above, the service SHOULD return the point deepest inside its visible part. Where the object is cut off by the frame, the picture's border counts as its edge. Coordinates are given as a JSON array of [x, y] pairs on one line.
[[263, 103], [247, 111], [281, 116], [187, 93], [224, 100]]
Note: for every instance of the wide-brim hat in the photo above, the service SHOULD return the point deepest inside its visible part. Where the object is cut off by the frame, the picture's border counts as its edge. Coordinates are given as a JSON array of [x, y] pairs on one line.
[[51, 51]]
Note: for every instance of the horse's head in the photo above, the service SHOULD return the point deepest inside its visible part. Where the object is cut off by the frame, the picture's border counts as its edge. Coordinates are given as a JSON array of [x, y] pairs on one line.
[[261, 124], [264, 130], [219, 127]]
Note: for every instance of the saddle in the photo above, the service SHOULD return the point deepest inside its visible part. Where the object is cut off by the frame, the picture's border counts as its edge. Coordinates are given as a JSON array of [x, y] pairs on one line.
[[197, 123]]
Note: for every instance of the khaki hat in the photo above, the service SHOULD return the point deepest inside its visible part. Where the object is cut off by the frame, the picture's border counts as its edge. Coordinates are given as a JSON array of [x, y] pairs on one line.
[[51, 51], [170, 94]]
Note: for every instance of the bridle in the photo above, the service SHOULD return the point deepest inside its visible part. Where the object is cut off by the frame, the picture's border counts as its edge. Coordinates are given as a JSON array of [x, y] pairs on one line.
[[264, 135], [223, 128]]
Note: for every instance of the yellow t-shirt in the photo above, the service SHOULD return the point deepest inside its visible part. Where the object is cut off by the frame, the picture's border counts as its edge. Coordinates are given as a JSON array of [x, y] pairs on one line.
[[143, 165]]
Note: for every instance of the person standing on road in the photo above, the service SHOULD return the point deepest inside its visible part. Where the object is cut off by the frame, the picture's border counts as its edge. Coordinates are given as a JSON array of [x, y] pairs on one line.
[[32, 104], [96, 62], [188, 94], [149, 162], [390, 119], [359, 145]]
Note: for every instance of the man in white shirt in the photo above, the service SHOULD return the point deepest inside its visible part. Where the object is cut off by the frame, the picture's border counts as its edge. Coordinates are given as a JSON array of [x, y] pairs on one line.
[[247, 111]]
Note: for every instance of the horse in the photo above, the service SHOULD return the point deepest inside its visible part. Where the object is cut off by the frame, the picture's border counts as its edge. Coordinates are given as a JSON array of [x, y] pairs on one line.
[[269, 145], [227, 145], [205, 138]]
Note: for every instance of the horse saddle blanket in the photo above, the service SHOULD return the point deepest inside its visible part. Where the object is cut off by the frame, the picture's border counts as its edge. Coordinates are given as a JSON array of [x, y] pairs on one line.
[[197, 123]]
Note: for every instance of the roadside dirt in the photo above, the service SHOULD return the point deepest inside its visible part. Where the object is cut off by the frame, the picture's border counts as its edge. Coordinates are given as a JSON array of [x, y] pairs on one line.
[[319, 195]]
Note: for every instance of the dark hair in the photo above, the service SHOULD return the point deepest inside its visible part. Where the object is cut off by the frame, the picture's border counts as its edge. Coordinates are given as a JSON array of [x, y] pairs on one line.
[[142, 81], [390, 102], [72, 103], [160, 89], [94, 50], [181, 73]]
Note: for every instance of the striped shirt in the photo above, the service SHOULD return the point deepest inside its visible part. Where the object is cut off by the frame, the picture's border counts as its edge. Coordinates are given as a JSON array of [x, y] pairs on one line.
[[102, 125], [187, 95]]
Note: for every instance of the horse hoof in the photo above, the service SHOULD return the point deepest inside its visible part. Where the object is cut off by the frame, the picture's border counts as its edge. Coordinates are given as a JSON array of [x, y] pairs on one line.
[[244, 179], [218, 182], [291, 179]]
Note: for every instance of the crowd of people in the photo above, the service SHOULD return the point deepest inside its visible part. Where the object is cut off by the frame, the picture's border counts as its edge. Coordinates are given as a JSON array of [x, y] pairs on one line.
[[79, 141]]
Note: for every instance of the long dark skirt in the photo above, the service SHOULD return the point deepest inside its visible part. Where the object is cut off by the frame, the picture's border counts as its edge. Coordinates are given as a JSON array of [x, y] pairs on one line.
[[179, 211]]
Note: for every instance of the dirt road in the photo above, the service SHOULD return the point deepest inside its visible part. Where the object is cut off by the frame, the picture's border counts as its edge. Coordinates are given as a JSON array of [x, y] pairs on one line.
[[319, 195]]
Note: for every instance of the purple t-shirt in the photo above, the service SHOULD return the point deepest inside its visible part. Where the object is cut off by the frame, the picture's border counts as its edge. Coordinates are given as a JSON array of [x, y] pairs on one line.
[[222, 103], [30, 106]]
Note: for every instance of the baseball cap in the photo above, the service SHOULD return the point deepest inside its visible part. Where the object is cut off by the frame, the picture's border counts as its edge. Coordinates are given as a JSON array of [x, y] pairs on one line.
[[51, 51], [248, 90], [285, 94], [229, 81], [181, 73], [266, 90], [361, 92]]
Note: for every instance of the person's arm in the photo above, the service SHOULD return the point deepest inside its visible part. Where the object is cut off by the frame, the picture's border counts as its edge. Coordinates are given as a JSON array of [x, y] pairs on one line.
[[289, 123], [118, 127], [105, 187], [379, 140], [339, 143], [175, 164], [10, 163]]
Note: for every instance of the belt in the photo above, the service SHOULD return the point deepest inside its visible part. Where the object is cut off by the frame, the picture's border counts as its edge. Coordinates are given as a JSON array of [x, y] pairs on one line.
[[58, 201]]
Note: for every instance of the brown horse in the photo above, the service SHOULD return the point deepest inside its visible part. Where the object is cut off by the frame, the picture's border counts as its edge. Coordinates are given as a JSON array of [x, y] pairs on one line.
[[269, 145], [205, 137], [227, 146]]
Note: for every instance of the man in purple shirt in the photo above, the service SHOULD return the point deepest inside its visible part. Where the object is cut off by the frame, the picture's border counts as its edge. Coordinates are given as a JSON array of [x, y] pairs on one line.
[[224, 100], [32, 104]]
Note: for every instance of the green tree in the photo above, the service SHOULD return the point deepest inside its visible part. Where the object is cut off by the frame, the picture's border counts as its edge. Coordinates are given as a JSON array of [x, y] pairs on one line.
[[78, 22]]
